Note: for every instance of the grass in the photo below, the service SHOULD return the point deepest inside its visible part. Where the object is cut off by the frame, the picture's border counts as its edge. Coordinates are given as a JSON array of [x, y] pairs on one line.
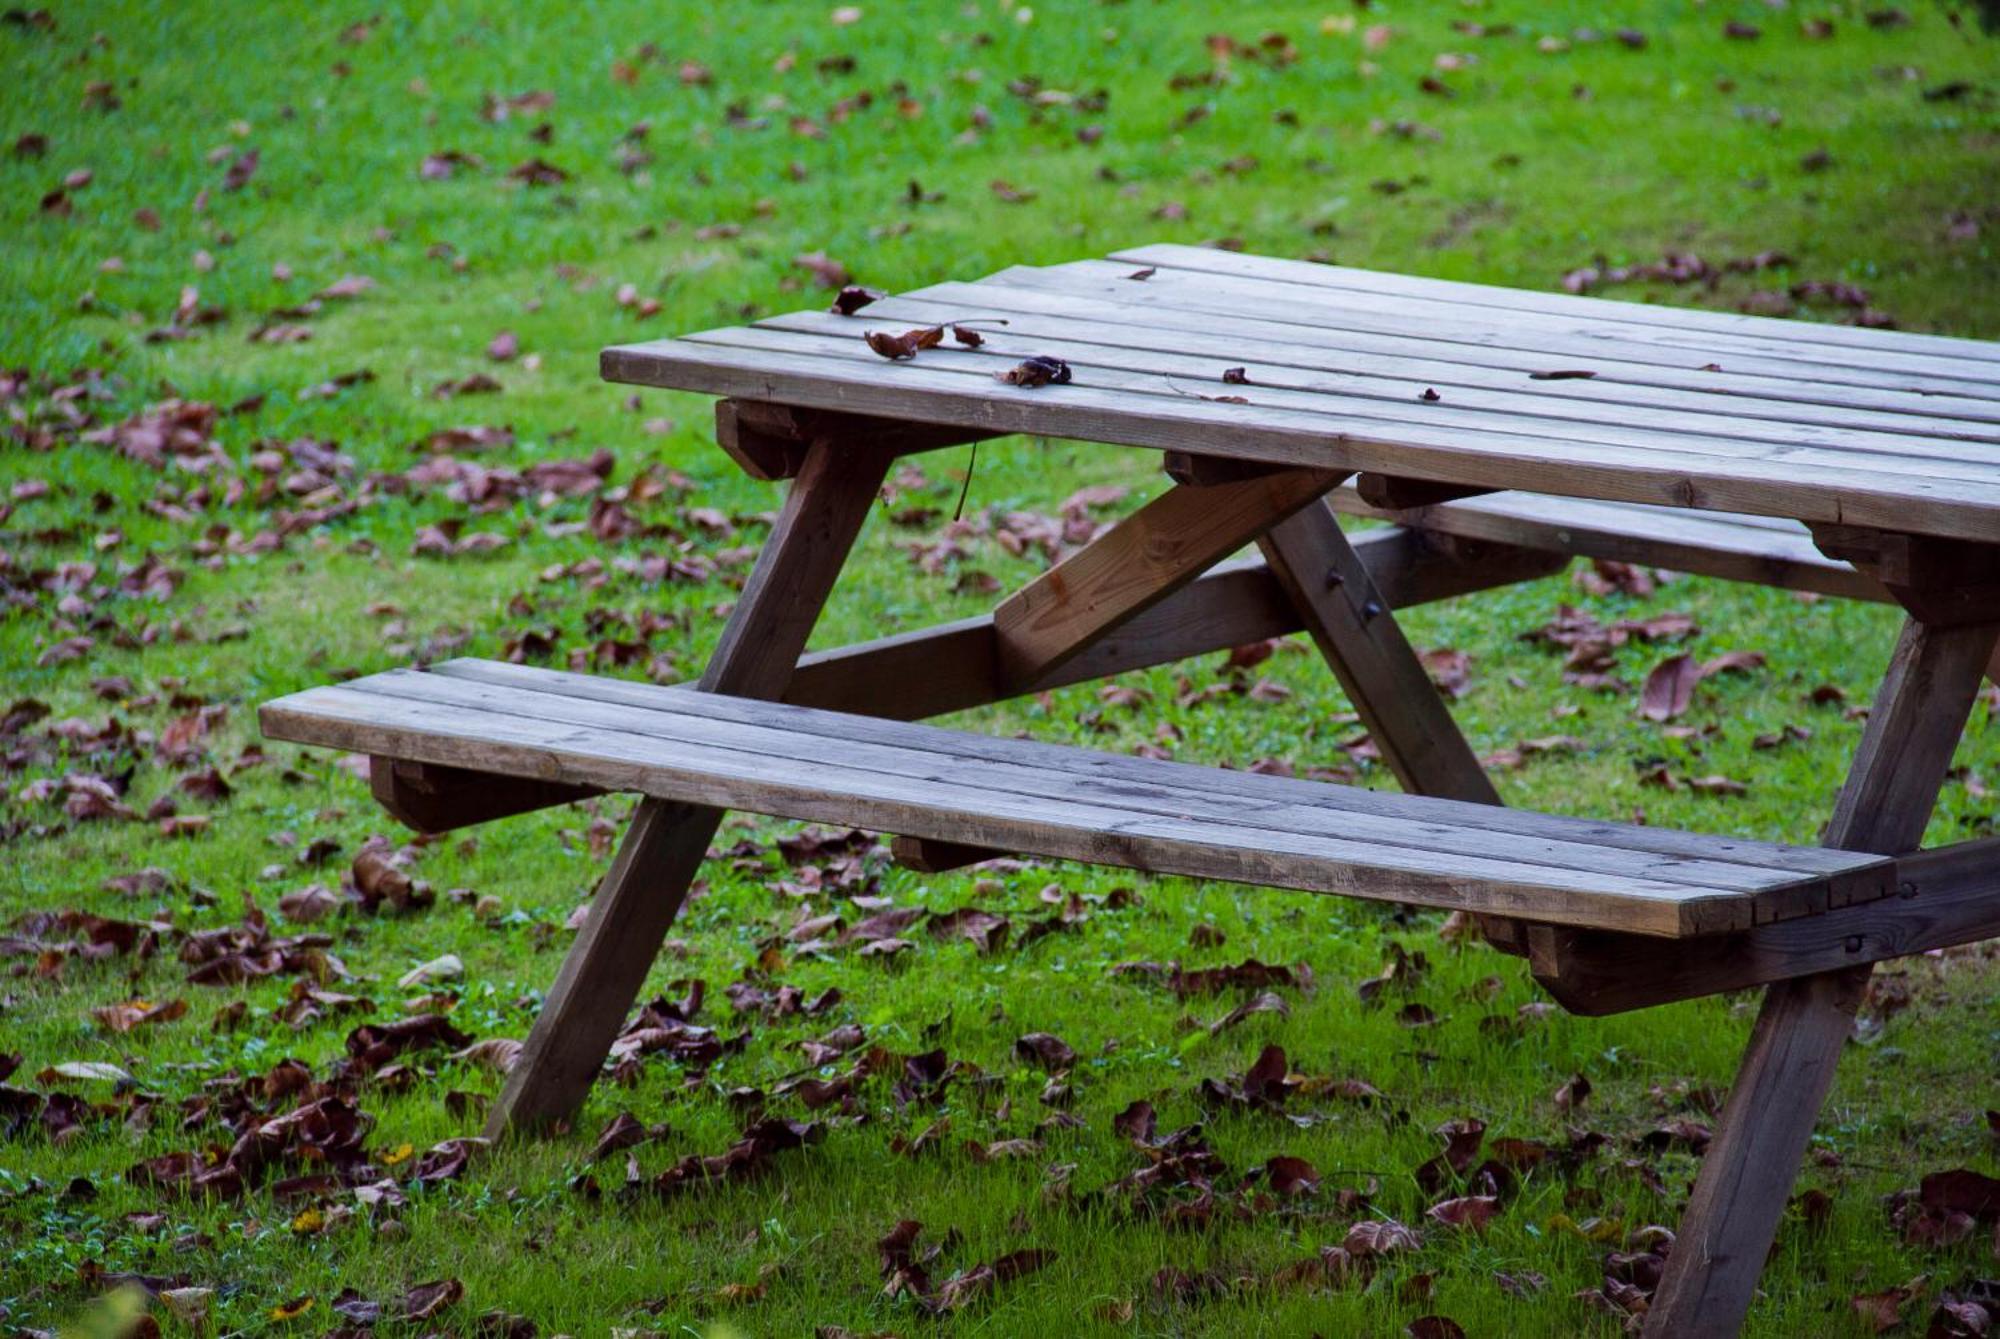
[[1542, 161]]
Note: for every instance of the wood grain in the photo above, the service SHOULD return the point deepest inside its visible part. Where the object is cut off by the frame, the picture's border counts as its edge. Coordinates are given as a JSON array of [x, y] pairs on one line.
[[663, 849], [1747, 1172], [1140, 561]]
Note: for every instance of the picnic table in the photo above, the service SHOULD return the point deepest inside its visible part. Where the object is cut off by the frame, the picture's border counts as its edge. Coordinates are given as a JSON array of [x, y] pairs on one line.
[[1503, 431]]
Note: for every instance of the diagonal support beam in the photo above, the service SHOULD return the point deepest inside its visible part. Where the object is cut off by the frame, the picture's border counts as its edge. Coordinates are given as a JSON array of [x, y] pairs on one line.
[[1346, 614], [1747, 1173], [1138, 562]]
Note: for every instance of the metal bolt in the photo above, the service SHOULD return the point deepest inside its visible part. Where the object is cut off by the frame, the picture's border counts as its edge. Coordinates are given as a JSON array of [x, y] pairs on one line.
[[1334, 578], [1854, 943], [1906, 890], [1370, 610]]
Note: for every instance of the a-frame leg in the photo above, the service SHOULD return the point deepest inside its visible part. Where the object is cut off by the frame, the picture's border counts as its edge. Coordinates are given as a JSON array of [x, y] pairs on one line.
[[1747, 1173], [663, 848], [1356, 632]]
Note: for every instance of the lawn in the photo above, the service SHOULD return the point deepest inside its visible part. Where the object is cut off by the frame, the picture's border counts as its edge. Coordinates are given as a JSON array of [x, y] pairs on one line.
[[301, 307]]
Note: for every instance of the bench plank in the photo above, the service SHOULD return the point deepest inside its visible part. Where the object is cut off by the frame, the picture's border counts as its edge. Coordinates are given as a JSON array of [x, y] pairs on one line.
[[1763, 550], [682, 745]]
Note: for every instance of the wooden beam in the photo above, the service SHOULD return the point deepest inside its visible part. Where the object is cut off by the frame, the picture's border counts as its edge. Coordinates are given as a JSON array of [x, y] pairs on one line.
[[1949, 896], [836, 488], [1393, 492], [952, 667], [769, 441], [442, 799], [1139, 562], [932, 855], [1942, 582], [1351, 621], [1747, 1173]]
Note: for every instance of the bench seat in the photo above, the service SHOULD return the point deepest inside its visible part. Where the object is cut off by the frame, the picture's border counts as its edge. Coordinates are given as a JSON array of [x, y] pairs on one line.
[[1071, 803], [1762, 550]]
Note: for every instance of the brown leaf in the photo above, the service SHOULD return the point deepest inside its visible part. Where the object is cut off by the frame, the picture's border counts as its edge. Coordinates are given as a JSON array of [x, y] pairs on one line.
[[1046, 1049], [1036, 370], [1290, 1177], [1669, 688], [427, 1299], [826, 271], [1434, 1327], [1562, 374], [1379, 1236], [1473, 1211], [504, 347], [853, 298]]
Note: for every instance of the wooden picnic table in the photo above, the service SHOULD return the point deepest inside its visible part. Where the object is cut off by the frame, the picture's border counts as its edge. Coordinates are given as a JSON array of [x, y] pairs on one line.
[[1504, 431]]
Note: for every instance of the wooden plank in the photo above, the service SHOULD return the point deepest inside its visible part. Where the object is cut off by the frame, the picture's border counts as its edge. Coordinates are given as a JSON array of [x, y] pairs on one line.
[[1404, 358], [1945, 583], [1116, 771], [1784, 482], [741, 741], [899, 763], [1857, 341], [666, 842], [1306, 304], [1137, 563], [1360, 638], [936, 857], [444, 799], [1116, 364], [770, 441], [1392, 492], [1763, 550], [1526, 406], [1949, 896], [952, 667], [957, 808], [1747, 1172]]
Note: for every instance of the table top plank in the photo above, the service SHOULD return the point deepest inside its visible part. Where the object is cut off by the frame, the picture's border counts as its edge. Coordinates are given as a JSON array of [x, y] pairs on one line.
[[1155, 379], [1627, 389], [1521, 408], [1170, 255], [1483, 328], [1769, 481], [1870, 429]]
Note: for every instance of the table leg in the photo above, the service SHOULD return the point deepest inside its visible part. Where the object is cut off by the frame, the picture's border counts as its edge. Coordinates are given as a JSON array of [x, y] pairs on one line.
[[1747, 1173], [664, 846]]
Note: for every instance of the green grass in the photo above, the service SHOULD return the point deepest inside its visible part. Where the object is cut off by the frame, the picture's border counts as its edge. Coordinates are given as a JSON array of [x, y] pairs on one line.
[[1543, 161]]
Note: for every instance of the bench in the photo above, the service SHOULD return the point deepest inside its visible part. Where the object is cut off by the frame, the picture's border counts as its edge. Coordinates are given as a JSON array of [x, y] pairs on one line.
[[1503, 433], [1018, 796]]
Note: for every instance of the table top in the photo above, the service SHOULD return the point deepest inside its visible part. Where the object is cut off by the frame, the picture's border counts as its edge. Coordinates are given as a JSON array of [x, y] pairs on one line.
[[1421, 378]]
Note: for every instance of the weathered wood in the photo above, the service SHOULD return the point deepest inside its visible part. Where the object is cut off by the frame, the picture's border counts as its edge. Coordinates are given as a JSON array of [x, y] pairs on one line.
[[1949, 896], [928, 856], [1360, 638], [1049, 800], [1942, 582], [1747, 1172], [1325, 808], [1137, 563], [770, 441], [1463, 295], [602, 973], [952, 666], [1935, 496], [443, 799], [1392, 492], [1763, 550], [1767, 347], [1622, 390]]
